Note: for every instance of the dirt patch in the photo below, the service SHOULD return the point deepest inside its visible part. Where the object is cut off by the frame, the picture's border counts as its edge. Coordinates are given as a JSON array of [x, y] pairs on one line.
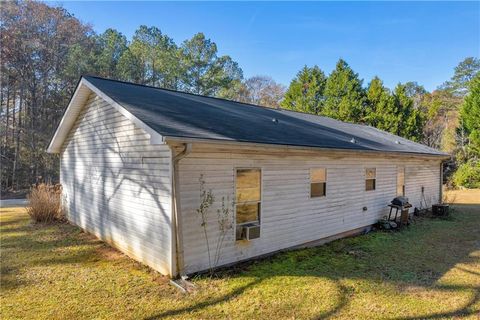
[[109, 253]]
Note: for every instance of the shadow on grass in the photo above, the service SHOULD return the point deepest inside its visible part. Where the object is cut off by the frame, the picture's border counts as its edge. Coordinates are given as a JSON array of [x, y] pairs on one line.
[[465, 310]]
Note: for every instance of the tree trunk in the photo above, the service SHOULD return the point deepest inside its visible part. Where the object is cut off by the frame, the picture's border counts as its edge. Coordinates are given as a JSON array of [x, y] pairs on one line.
[[7, 115], [17, 143]]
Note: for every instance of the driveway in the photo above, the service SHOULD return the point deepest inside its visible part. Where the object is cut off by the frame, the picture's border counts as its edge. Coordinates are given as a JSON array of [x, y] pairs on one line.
[[13, 203]]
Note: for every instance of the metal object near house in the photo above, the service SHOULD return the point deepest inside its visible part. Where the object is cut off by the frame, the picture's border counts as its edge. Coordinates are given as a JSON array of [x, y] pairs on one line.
[[400, 204], [250, 232], [400, 201], [441, 210]]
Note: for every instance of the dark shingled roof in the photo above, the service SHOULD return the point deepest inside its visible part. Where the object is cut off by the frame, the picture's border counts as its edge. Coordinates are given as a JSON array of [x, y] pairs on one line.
[[183, 115]]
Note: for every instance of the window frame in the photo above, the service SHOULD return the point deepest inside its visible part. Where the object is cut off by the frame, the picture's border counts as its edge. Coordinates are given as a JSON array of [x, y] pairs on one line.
[[324, 182], [401, 169], [259, 202], [369, 179]]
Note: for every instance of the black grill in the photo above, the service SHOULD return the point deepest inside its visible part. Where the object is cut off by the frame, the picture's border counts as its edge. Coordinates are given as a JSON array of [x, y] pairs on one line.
[[400, 201]]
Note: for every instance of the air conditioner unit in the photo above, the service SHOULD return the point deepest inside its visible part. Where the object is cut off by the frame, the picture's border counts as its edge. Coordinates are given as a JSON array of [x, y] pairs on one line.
[[250, 232]]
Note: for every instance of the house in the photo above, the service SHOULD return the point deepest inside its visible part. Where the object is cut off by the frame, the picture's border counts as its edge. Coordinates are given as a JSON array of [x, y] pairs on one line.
[[133, 159]]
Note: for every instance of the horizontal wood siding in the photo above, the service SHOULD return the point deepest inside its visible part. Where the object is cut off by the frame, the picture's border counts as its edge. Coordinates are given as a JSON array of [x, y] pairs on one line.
[[289, 217], [117, 185]]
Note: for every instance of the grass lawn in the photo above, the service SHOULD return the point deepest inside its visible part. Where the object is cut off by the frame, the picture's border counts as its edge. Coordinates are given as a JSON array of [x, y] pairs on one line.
[[429, 271]]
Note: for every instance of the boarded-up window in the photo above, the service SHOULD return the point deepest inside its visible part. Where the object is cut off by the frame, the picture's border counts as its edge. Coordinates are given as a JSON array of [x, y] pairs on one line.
[[318, 182], [400, 181], [248, 195], [370, 178]]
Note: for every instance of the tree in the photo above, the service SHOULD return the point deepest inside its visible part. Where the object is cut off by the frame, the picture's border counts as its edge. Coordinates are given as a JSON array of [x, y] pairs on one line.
[[410, 120], [151, 58], [417, 93], [470, 116], [468, 157], [37, 41], [464, 73], [306, 91], [204, 72], [110, 46], [380, 111], [259, 90], [441, 123], [345, 97], [264, 91]]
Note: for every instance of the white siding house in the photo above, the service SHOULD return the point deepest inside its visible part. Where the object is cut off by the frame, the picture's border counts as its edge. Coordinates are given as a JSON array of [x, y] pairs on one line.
[[289, 215], [132, 158], [118, 186]]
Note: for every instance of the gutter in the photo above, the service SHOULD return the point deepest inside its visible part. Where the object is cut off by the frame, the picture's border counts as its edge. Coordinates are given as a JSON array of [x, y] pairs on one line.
[[176, 218], [440, 192], [173, 139]]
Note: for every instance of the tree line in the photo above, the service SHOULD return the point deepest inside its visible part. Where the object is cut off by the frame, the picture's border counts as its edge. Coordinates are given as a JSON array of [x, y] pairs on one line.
[[44, 50]]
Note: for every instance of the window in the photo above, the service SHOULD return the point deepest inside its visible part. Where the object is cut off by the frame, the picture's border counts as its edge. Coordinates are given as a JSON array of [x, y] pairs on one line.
[[248, 195], [370, 177], [400, 181], [318, 182]]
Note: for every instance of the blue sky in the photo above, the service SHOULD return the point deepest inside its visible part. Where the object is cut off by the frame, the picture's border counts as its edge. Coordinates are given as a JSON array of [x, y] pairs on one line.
[[398, 41]]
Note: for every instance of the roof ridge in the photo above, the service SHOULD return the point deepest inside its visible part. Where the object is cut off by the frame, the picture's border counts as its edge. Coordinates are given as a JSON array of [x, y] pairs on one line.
[[184, 92]]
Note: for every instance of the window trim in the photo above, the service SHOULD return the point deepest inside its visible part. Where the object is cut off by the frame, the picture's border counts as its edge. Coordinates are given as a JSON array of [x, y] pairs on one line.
[[367, 179], [260, 201], [404, 180], [324, 182]]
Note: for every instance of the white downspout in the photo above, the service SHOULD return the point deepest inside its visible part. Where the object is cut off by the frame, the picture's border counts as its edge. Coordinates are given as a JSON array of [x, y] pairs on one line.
[[440, 199], [176, 219]]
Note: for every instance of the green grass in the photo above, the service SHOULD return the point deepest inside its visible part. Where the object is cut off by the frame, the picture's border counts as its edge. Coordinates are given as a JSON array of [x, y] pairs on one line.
[[430, 270]]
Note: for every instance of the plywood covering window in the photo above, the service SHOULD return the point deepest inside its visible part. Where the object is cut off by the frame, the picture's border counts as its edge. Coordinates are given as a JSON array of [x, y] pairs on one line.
[[248, 196], [318, 182], [370, 178], [400, 181]]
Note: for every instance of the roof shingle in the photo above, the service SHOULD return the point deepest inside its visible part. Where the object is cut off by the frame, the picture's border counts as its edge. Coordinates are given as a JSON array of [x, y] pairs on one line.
[[183, 115]]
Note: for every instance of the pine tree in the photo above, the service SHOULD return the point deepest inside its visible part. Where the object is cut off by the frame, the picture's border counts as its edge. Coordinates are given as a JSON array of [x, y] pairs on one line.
[[465, 71], [110, 47], [470, 115], [345, 97], [306, 91], [204, 72], [380, 111], [410, 119], [151, 58]]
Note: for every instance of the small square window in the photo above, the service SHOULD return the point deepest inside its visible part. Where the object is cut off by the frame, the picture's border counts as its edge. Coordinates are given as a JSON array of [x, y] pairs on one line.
[[370, 179], [369, 184], [318, 182], [318, 189]]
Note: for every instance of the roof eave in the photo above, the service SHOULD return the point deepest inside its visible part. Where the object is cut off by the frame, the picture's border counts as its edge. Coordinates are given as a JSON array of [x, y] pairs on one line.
[[173, 139], [76, 104]]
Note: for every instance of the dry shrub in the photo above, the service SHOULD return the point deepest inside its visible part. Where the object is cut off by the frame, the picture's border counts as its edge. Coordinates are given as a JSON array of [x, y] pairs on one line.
[[45, 203]]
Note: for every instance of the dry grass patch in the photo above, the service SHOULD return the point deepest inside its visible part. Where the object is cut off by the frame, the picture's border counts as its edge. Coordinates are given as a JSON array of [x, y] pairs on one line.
[[467, 196], [45, 203]]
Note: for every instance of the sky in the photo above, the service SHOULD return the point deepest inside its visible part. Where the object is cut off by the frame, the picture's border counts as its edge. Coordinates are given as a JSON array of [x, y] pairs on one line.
[[397, 41]]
